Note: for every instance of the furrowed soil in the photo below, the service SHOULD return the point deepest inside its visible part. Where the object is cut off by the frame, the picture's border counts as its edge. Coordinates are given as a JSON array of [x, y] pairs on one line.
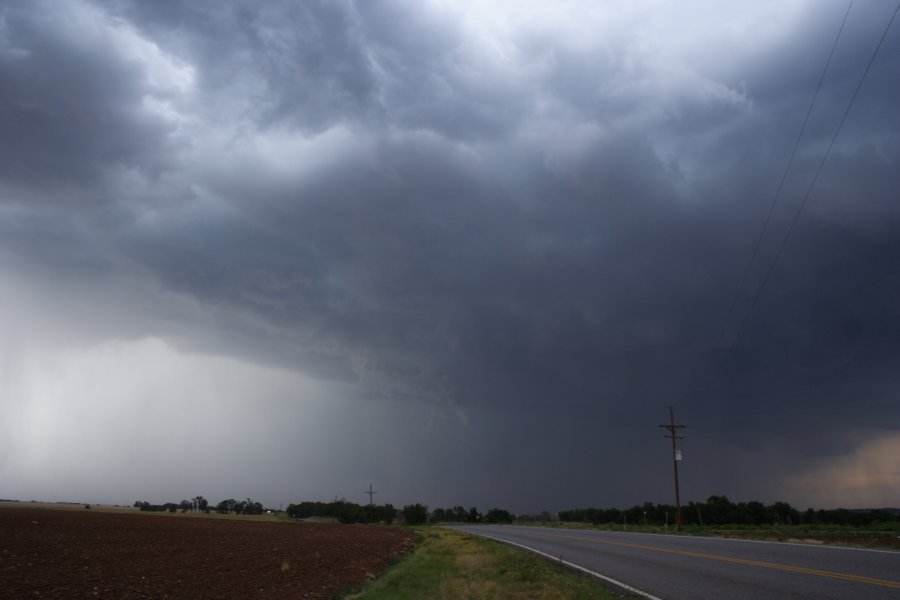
[[46, 553]]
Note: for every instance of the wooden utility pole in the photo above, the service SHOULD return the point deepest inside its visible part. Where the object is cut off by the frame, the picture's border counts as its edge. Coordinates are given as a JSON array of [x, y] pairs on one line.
[[676, 458], [371, 493]]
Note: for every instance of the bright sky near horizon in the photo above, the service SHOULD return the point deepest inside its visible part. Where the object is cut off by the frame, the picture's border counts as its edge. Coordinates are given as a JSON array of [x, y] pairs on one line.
[[467, 252]]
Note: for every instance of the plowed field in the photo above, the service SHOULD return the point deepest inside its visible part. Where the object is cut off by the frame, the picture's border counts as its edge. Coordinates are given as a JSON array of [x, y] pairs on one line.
[[47, 553]]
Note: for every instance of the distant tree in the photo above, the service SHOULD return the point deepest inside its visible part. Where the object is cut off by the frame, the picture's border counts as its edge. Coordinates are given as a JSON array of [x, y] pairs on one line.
[[250, 507], [385, 513], [810, 517], [526, 518], [438, 515], [782, 512], [662, 514], [346, 512], [415, 514], [753, 513], [473, 516], [199, 503], [634, 515], [718, 511], [498, 515], [305, 510]]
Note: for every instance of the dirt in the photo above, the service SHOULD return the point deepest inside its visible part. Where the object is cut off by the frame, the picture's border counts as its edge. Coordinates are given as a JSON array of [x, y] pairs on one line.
[[47, 553]]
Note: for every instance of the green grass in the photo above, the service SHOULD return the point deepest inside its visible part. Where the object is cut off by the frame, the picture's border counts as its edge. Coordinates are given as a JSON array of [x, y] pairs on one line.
[[448, 565]]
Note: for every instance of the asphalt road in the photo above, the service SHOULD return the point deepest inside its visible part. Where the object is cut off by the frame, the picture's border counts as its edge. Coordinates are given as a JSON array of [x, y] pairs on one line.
[[693, 568]]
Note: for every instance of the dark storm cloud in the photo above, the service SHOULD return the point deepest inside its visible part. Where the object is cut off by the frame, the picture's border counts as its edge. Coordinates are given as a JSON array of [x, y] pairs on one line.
[[317, 64], [70, 108], [497, 224]]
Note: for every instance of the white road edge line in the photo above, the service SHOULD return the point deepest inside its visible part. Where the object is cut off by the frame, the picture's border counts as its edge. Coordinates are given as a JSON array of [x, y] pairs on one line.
[[557, 559]]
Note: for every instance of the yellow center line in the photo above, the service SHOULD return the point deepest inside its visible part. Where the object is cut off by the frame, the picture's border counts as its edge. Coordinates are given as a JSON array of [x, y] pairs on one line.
[[743, 561]]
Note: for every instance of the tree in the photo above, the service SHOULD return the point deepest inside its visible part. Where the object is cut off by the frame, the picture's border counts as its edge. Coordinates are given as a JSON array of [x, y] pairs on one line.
[[415, 514], [385, 514], [439, 515], [498, 515], [718, 511], [305, 510], [249, 507], [782, 512], [755, 513]]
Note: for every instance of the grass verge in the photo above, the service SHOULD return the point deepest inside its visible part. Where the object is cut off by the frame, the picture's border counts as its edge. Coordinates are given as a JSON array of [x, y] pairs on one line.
[[448, 565]]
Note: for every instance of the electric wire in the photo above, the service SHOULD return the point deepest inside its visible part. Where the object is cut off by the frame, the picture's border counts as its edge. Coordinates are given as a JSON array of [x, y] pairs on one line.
[[716, 375], [784, 175], [812, 184], [704, 391]]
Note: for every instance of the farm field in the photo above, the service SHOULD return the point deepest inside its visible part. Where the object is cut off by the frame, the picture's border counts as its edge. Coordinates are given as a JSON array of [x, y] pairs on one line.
[[50, 553]]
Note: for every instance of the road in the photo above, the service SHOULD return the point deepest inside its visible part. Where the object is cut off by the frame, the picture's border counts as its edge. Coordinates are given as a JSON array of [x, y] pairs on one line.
[[674, 567]]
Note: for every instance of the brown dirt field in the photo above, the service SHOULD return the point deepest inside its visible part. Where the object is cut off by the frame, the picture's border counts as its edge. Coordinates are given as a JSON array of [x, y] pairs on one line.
[[47, 553]]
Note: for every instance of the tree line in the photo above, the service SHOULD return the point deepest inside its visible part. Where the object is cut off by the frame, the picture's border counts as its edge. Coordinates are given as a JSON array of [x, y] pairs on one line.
[[412, 514], [340, 510], [458, 514], [201, 504], [719, 510], [344, 511], [716, 511]]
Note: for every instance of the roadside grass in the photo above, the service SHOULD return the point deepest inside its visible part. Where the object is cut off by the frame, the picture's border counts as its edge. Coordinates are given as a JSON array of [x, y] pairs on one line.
[[448, 565]]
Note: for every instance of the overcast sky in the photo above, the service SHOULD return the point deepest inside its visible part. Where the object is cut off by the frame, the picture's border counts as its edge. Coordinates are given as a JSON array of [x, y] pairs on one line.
[[468, 252]]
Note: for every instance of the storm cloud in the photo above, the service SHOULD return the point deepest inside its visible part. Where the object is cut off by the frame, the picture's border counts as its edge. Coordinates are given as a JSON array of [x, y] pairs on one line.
[[471, 254]]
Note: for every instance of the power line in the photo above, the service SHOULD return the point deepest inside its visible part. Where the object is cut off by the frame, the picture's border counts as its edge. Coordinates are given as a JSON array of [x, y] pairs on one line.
[[816, 176], [787, 235], [784, 175], [720, 338]]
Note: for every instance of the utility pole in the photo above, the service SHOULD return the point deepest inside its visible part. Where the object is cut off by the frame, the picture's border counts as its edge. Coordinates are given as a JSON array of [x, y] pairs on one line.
[[371, 493], [676, 458]]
